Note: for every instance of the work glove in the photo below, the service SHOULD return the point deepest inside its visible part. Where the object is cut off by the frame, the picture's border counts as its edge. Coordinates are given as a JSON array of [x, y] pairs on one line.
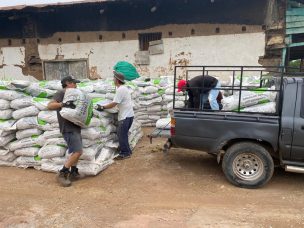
[[100, 107], [69, 104]]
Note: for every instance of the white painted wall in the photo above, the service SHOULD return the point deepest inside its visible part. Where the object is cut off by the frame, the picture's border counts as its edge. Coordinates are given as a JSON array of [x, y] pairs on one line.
[[238, 49]]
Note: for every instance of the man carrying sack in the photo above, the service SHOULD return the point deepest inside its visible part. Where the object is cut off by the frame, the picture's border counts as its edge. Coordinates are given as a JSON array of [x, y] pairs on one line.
[[71, 133]]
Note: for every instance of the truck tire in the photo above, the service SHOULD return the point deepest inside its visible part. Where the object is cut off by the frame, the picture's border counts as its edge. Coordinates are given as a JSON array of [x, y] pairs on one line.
[[247, 165]]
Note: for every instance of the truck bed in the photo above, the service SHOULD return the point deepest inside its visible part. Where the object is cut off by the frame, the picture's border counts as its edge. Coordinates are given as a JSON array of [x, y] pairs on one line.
[[213, 130]]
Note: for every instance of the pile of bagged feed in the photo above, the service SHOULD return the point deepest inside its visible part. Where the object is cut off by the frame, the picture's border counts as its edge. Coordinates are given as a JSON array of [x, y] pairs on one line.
[[29, 133], [156, 99]]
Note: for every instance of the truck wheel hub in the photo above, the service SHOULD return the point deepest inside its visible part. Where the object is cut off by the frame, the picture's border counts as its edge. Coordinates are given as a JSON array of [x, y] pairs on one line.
[[248, 166]]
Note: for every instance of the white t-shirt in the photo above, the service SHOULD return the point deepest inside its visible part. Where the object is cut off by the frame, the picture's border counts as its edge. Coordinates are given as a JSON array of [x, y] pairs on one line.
[[124, 101]]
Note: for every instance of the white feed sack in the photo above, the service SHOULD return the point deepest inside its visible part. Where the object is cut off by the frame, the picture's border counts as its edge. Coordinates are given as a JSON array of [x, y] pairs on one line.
[[6, 155], [52, 134], [86, 86], [10, 95], [178, 104], [25, 112], [248, 98], [21, 103], [82, 114], [27, 122], [51, 141], [6, 124], [156, 100], [104, 87], [31, 132], [25, 162], [40, 103], [91, 168], [90, 153], [18, 85], [262, 108], [148, 96], [27, 151], [148, 89], [164, 123], [48, 116], [6, 139], [53, 85], [52, 151], [105, 154], [4, 104], [6, 114], [22, 143], [37, 90]]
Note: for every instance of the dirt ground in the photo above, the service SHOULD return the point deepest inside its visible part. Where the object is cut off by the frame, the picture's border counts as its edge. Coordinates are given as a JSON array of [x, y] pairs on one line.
[[182, 189]]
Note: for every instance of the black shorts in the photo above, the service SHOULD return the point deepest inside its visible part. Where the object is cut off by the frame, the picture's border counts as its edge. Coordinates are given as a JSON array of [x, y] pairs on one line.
[[74, 141]]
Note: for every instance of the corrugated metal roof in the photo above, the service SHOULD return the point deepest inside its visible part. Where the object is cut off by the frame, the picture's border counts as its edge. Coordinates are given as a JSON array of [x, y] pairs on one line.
[[20, 7]]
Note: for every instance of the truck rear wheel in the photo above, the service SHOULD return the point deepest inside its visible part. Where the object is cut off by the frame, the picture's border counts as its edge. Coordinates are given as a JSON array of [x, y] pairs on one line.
[[248, 165]]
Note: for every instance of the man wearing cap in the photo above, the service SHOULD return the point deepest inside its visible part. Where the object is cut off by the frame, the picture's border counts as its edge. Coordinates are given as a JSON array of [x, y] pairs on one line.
[[71, 133], [125, 114], [200, 89]]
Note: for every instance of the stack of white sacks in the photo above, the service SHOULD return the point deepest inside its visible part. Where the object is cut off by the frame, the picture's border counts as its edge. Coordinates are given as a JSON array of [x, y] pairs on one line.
[[255, 99], [156, 99], [260, 100], [29, 133]]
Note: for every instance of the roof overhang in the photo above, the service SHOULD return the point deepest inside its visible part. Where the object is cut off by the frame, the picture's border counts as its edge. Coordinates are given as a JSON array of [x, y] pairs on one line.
[[21, 7]]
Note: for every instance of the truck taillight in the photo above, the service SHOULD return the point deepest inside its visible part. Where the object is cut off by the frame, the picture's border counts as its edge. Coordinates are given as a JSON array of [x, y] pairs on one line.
[[173, 122], [172, 129]]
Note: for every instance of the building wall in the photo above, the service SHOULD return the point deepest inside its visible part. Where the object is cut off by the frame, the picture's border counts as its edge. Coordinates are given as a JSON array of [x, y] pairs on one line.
[[203, 48]]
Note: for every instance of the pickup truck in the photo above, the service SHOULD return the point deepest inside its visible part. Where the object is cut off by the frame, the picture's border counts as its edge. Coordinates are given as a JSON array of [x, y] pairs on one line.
[[248, 144]]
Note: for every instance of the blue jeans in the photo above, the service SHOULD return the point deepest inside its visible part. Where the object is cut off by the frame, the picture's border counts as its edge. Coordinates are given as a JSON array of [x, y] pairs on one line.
[[122, 134], [211, 96]]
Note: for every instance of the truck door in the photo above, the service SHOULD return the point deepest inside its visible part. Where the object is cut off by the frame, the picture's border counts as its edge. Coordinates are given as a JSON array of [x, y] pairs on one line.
[[297, 149]]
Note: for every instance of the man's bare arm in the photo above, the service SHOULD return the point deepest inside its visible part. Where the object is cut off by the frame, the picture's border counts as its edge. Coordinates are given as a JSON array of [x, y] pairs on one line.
[[54, 105]]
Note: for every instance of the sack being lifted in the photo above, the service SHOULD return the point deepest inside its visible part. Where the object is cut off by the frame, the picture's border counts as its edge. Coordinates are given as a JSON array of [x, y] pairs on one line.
[[82, 111], [127, 69]]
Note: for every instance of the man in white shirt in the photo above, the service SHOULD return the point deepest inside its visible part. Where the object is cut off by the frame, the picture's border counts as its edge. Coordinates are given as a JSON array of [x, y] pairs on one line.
[[125, 114]]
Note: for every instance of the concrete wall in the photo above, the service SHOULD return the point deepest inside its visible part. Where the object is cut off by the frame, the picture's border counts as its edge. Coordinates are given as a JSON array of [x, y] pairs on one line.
[[227, 49]]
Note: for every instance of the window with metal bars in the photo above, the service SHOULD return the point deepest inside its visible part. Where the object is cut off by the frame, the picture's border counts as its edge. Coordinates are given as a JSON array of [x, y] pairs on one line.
[[145, 38]]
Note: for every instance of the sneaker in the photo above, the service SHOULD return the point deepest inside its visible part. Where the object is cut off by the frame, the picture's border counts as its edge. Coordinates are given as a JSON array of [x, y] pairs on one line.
[[75, 176], [63, 179], [122, 157]]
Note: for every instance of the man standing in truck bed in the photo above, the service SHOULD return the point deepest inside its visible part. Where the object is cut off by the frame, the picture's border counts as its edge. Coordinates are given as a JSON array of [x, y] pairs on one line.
[[200, 89]]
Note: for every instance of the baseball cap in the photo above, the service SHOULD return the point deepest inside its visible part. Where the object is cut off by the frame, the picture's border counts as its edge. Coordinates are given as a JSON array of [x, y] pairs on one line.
[[119, 76], [180, 85], [69, 78]]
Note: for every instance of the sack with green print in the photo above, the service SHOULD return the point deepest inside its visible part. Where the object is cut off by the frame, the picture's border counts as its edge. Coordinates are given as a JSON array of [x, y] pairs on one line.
[[27, 151], [31, 132], [40, 103], [82, 114], [248, 98], [39, 90], [52, 151], [22, 143]]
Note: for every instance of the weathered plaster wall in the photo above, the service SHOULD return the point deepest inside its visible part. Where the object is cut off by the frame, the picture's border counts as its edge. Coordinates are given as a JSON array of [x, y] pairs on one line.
[[238, 49], [12, 62], [231, 46]]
